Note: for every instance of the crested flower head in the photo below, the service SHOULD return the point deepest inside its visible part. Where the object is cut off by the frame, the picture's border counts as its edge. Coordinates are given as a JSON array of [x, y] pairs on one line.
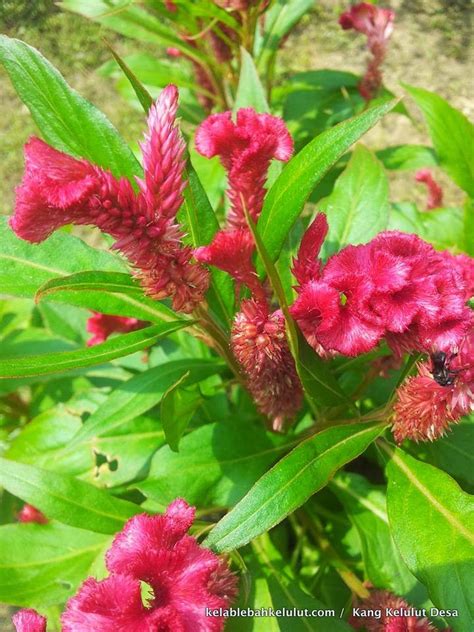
[[409, 619], [246, 147], [377, 24], [259, 343], [101, 326], [435, 192], [426, 406], [395, 286], [58, 189], [28, 620], [29, 513], [182, 580], [370, 20]]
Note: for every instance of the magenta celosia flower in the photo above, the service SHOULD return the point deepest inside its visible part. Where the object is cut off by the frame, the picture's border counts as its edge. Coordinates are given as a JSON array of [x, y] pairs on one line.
[[395, 286], [246, 147], [435, 192], [28, 513], [101, 326], [28, 620], [182, 580], [259, 343], [425, 408], [307, 266], [377, 24], [258, 337], [231, 251], [58, 190], [408, 619]]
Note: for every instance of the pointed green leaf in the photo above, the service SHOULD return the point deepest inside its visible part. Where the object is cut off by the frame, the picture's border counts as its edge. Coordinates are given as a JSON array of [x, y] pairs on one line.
[[286, 198], [432, 523], [452, 135], [67, 121], [357, 209], [290, 482], [66, 499], [46, 363]]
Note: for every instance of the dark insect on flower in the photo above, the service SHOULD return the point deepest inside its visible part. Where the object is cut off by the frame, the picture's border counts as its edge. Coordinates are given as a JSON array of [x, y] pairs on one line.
[[440, 370]]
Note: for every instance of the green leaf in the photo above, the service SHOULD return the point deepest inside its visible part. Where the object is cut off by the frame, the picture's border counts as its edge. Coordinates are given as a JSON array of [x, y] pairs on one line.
[[285, 200], [432, 523], [357, 209], [442, 227], [407, 157], [106, 292], [279, 20], [199, 220], [142, 392], [451, 453], [116, 458], [275, 586], [58, 559], [250, 92], [291, 482], [178, 406], [320, 385], [452, 135], [25, 267], [366, 506], [46, 363], [142, 93], [66, 499], [216, 464], [67, 121]]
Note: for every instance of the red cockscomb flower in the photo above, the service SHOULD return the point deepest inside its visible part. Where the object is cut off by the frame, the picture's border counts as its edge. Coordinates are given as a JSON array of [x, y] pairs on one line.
[[377, 24], [28, 620], [101, 326], [28, 513], [58, 190], [395, 286], [424, 408], [435, 192], [183, 579], [246, 149], [409, 619], [259, 343]]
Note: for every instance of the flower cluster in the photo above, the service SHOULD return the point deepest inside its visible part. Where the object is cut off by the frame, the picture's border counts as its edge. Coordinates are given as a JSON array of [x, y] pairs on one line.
[[258, 339], [408, 619], [58, 190], [377, 24], [396, 286], [182, 579], [426, 406], [101, 326], [246, 148], [435, 192]]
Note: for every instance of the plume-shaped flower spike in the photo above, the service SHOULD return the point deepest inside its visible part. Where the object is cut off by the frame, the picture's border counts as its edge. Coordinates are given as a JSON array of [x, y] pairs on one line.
[[58, 189]]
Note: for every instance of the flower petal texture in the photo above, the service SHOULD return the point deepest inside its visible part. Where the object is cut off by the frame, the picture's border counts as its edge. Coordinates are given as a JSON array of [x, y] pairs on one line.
[[28, 513], [28, 620], [245, 147], [183, 580]]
